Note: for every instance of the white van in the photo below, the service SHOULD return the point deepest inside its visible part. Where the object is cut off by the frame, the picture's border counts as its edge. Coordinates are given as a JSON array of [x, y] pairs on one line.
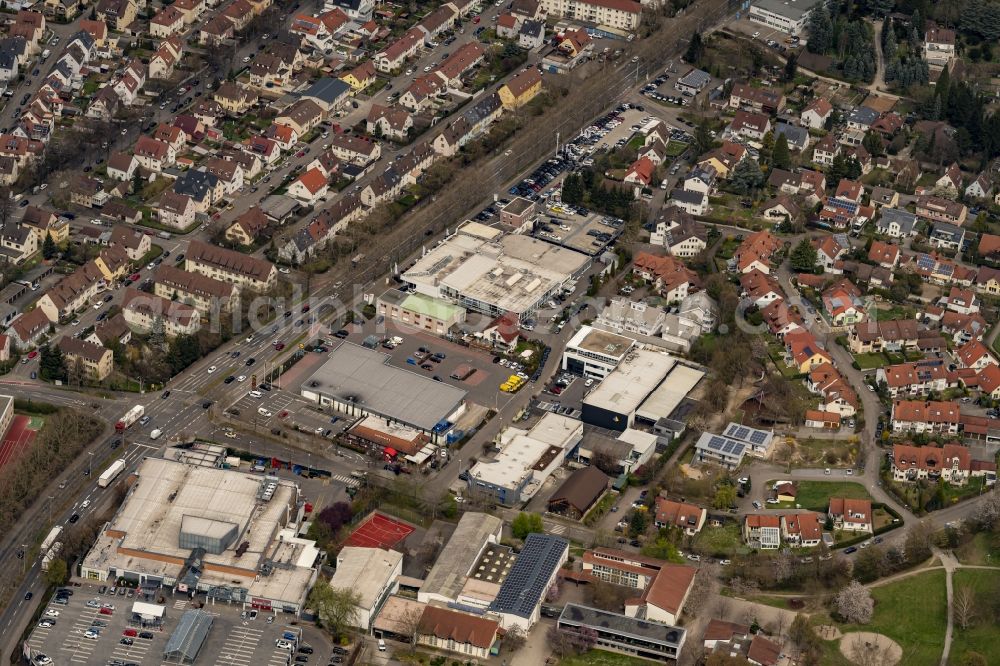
[[381, 645], [155, 434]]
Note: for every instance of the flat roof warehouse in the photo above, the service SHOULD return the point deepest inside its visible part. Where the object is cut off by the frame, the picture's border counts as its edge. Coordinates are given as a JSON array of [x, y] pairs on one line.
[[363, 377], [509, 274]]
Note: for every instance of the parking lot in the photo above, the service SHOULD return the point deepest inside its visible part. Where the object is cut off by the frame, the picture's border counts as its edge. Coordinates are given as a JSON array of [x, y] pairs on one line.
[[83, 633]]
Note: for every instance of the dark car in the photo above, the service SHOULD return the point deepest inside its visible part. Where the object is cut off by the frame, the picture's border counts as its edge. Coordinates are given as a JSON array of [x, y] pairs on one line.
[[251, 361], [852, 549], [148, 635], [28, 595], [126, 641], [165, 394], [339, 650], [235, 354], [206, 404], [305, 649], [229, 380], [265, 387], [342, 333], [72, 519]]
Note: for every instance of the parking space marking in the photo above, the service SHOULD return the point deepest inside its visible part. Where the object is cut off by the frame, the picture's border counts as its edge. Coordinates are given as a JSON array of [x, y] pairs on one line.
[[180, 604], [279, 657], [239, 647]]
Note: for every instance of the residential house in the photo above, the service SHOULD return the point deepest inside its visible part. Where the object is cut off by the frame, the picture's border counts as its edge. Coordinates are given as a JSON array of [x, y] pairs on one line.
[[762, 532], [142, 311], [248, 228], [176, 210], [230, 266], [803, 351], [86, 360], [671, 278], [750, 126], [135, 243], [947, 236], [389, 121], [797, 137], [843, 304], [235, 98], [851, 515], [756, 100], [122, 166], [825, 150], [620, 15], [206, 295], [154, 155], [913, 378], [309, 187], [816, 113], [28, 329], [936, 209], [897, 223], [802, 530], [884, 254], [302, 116], [979, 188], [875, 336], [687, 517], [939, 46], [951, 463], [690, 201], [677, 231], [520, 89], [925, 416]]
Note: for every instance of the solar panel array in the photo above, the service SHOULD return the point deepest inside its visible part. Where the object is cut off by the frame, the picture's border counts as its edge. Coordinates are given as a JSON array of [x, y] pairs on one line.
[[744, 433], [525, 584], [844, 204], [724, 445]]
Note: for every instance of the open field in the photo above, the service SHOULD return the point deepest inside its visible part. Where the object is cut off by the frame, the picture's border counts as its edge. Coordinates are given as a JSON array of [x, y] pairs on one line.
[[815, 495]]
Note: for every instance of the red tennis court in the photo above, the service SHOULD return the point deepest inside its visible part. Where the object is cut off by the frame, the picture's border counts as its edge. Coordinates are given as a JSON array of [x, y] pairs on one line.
[[18, 438], [379, 531]]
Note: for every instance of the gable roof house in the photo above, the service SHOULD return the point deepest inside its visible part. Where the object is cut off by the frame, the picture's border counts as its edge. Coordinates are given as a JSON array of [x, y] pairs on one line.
[[28, 329], [389, 121], [925, 416], [897, 223], [913, 378], [751, 126], [248, 227], [688, 517], [816, 113], [851, 515]]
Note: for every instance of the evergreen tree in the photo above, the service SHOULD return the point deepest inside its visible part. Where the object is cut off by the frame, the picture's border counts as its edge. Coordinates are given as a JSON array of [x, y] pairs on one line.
[[51, 364], [695, 49], [820, 28], [781, 158], [746, 178], [703, 140], [853, 169], [872, 143], [889, 45], [766, 148], [791, 66], [49, 249], [803, 257]]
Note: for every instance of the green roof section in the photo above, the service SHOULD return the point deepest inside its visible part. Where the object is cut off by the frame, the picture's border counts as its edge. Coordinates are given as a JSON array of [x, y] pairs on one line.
[[430, 307]]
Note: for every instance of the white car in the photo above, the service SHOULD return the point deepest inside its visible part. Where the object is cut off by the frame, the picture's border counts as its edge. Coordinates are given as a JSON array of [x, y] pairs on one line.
[[263, 412], [84, 504], [589, 382], [246, 59], [46, 624], [97, 306], [282, 645], [241, 378], [93, 604], [255, 394], [212, 369], [52, 612], [91, 634], [42, 660], [231, 435], [756, 34], [284, 271]]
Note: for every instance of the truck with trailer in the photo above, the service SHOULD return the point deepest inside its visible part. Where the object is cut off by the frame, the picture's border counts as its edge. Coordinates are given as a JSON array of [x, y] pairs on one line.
[[51, 555], [130, 417], [50, 539], [117, 467]]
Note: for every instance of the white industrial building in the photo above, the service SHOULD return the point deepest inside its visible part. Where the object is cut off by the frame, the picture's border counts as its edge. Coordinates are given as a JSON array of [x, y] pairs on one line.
[[613, 403], [488, 272], [359, 381], [227, 533], [526, 459], [455, 568], [373, 574], [789, 16], [593, 352]]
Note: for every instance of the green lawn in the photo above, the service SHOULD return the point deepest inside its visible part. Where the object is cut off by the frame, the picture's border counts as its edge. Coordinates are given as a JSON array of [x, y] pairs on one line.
[[675, 148], [870, 361], [602, 658], [722, 541], [913, 613], [984, 635], [982, 549], [815, 495]]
